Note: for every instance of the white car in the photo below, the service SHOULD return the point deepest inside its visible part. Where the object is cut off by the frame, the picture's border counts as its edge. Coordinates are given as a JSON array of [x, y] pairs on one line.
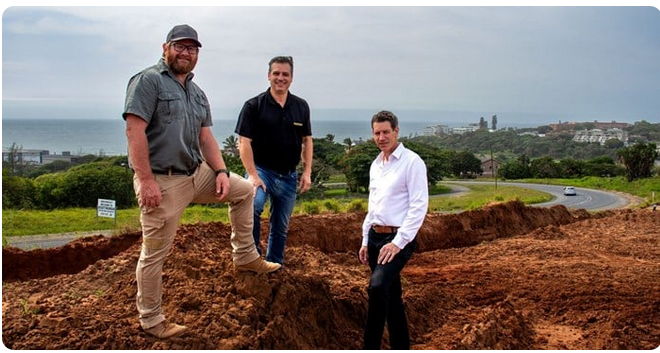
[[569, 191]]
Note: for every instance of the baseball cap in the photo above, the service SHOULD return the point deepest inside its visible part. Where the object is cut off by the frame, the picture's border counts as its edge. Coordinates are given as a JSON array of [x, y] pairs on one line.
[[182, 32]]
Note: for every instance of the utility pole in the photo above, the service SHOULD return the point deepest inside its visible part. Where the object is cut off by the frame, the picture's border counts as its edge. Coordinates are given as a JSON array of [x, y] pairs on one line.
[[492, 166]]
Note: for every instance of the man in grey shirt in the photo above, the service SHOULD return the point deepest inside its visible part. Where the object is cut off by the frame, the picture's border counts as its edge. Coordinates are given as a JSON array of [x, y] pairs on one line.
[[177, 161]]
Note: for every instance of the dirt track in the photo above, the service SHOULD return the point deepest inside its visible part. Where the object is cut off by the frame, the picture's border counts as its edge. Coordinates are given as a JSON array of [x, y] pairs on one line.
[[505, 277]]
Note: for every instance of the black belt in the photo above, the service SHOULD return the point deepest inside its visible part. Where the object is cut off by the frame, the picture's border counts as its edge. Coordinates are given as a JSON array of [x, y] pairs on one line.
[[174, 171], [384, 229]]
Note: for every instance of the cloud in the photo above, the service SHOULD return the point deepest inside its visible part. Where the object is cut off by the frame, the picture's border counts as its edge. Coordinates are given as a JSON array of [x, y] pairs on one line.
[[580, 61]]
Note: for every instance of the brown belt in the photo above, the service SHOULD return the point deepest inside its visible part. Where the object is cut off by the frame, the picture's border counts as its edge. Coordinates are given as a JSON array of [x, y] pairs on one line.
[[383, 229], [174, 171]]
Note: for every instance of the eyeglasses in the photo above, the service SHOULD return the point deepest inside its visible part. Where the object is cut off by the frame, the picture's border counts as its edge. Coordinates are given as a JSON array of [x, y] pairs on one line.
[[179, 48]]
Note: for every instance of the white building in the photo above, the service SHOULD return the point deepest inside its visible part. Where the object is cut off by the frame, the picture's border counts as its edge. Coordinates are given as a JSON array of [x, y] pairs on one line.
[[437, 130], [601, 136], [37, 157]]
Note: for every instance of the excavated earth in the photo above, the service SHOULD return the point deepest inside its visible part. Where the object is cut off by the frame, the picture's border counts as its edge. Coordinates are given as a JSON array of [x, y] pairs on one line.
[[503, 277]]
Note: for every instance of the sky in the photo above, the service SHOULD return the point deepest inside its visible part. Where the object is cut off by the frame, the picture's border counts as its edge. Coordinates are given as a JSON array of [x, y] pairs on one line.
[[547, 63]]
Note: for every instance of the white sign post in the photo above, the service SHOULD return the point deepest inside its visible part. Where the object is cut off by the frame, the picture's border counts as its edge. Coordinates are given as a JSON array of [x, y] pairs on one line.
[[106, 208]]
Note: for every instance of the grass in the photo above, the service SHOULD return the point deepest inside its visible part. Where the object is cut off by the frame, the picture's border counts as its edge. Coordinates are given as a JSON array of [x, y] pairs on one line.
[[483, 194], [337, 200], [84, 220]]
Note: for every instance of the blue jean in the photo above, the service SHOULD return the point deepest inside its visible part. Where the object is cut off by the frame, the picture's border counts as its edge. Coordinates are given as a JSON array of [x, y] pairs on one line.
[[385, 297], [281, 191]]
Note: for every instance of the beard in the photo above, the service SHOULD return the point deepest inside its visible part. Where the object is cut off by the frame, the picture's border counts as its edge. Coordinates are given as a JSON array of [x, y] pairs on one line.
[[178, 68]]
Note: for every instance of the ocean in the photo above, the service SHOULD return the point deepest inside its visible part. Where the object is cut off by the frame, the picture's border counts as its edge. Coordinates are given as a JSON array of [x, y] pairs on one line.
[[107, 136]]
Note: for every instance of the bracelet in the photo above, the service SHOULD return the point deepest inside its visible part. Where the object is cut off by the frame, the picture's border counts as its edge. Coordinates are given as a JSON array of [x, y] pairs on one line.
[[217, 172]]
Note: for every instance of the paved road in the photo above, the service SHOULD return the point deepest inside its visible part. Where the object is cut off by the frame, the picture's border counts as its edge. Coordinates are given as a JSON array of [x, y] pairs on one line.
[[46, 241], [588, 199]]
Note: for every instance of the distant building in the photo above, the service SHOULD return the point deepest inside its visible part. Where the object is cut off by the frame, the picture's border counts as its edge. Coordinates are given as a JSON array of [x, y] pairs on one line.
[[596, 124], [37, 157], [601, 136], [24, 155], [65, 156], [437, 130], [489, 165], [469, 128]]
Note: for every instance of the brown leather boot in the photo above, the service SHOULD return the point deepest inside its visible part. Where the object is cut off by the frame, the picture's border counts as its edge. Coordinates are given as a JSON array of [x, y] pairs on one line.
[[166, 330], [259, 266]]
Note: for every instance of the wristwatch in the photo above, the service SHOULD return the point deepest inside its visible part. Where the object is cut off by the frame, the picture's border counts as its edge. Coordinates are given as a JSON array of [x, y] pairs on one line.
[[217, 172]]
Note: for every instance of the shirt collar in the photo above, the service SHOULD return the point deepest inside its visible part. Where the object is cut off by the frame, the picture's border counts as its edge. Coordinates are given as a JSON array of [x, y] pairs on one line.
[[396, 153], [163, 68], [272, 100]]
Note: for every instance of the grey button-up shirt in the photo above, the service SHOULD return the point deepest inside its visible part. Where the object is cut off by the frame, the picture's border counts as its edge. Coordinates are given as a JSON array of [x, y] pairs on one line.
[[175, 115]]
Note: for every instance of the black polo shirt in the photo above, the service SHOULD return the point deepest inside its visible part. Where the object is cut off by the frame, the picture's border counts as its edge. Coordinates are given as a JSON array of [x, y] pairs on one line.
[[277, 132]]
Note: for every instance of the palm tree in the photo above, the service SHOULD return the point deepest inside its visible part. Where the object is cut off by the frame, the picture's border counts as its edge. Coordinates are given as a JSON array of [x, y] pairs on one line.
[[231, 145], [349, 143]]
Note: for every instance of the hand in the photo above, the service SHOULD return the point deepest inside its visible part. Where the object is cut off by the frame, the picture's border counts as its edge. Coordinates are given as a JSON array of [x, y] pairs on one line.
[[387, 253], [150, 195], [363, 255], [256, 183], [305, 183], [221, 186]]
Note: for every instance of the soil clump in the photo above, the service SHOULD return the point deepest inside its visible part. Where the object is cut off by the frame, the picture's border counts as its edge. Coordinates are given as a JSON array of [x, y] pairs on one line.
[[507, 276]]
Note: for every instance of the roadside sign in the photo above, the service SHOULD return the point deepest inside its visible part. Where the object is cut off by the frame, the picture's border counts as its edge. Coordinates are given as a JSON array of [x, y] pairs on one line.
[[105, 208]]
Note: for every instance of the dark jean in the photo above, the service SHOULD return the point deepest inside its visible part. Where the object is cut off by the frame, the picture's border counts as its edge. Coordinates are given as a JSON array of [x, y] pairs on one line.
[[281, 191], [385, 302]]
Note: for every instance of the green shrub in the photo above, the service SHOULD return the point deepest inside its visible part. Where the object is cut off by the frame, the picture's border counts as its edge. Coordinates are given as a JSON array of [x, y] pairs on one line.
[[331, 205], [357, 205], [312, 207], [17, 192], [83, 185]]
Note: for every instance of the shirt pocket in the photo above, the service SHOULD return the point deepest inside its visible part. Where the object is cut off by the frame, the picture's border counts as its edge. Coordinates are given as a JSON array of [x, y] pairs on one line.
[[170, 106], [201, 108]]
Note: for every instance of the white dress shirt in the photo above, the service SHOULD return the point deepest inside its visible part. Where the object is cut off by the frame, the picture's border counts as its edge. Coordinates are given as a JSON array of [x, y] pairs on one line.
[[398, 195]]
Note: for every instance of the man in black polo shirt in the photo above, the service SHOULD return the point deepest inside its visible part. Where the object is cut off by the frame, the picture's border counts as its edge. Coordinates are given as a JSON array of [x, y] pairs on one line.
[[274, 132]]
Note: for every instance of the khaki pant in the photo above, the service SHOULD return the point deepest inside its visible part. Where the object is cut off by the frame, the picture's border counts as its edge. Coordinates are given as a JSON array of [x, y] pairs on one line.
[[159, 226]]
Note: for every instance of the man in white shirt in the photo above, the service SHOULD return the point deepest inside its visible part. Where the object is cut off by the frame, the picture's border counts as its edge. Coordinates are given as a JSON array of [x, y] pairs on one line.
[[398, 202]]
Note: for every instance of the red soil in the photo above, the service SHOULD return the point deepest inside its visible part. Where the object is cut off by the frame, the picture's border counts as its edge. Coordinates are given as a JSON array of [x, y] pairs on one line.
[[505, 277]]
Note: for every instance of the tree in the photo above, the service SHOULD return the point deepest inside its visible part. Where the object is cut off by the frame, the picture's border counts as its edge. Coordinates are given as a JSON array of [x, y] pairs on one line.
[[518, 169], [644, 131], [356, 165], [349, 143], [438, 162], [328, 151], [83, 185], [545, 167], [571, 168], [230, 145], [52, 167], [638, 160], [17, 192], [234, 163], [465, 164], [15, 162], [358, 161], [614, 144]]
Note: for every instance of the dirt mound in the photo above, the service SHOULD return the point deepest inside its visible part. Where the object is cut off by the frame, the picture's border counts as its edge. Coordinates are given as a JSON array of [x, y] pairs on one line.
[[505, 277]]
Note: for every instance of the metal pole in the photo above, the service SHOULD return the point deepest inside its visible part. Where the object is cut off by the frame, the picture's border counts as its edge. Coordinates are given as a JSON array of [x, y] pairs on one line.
[[492, 166]]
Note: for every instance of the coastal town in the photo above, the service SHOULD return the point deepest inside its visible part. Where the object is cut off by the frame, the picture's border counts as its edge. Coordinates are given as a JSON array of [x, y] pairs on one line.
[[588, 132]]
